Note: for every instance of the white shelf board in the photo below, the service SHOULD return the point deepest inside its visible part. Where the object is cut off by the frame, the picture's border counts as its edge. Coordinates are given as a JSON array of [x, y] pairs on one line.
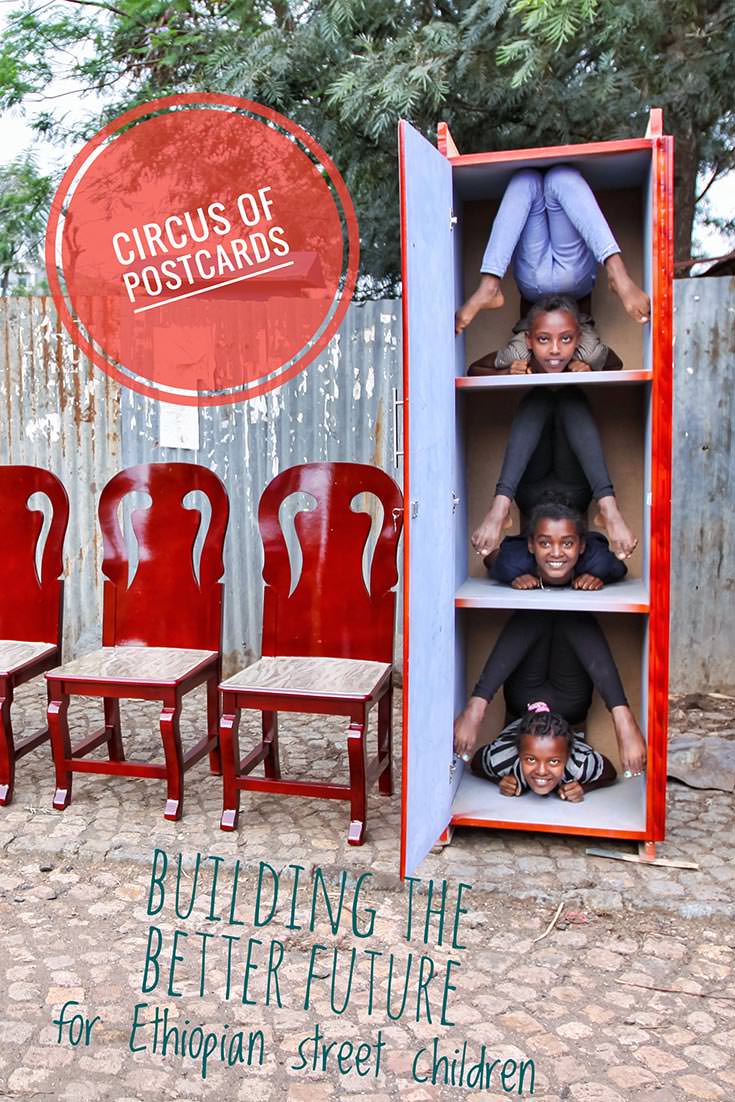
[[630, 595], [622, 807], [556, 378]]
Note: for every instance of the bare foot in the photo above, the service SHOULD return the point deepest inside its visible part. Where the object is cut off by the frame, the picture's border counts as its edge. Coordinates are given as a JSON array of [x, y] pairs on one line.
[[631, 744], [487, 537], [467, 727], [488, 296], [622, 541], [635, 301]]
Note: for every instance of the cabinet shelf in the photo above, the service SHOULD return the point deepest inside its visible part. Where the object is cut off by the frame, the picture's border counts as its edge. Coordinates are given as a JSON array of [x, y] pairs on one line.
[[561, 378], [630, 595]]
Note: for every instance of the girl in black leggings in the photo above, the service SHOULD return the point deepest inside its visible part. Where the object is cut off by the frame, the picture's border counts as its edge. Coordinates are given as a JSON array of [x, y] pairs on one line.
[[554, 446], [555, 657]]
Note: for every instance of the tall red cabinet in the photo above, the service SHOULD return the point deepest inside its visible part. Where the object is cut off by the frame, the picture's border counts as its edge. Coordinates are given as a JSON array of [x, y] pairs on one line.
[[455, 429]]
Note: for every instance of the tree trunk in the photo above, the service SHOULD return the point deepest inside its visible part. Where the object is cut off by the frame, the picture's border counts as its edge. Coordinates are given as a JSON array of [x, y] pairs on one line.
[[686, 167]]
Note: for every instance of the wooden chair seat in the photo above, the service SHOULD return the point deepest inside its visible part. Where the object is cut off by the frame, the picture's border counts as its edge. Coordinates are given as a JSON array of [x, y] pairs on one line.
[[327, 635], [19, 662], [15, 655], [321, 677], [140, 665]]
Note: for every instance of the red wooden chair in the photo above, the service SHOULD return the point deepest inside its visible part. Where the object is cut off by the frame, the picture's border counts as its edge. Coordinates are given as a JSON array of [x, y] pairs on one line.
[[30, 600], [161, 631], [327, 641]]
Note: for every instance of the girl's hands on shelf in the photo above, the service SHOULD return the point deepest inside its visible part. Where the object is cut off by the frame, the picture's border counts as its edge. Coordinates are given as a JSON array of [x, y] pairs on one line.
[[587, 581], [509, 786], [571, 791], [525, 581]]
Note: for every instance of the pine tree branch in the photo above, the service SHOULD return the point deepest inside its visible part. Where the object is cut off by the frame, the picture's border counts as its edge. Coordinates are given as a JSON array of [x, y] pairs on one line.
[[715, 175]]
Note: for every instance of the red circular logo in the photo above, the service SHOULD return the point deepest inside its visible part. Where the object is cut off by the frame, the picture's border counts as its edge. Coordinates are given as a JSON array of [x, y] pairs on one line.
[[202, 249]]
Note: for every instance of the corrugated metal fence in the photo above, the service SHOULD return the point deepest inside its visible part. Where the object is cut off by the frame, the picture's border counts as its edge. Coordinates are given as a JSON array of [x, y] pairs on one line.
[[703, 525], [62, 414]]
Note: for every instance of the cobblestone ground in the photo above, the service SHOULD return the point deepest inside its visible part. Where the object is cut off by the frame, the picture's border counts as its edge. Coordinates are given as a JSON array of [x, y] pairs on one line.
[[630, 995]]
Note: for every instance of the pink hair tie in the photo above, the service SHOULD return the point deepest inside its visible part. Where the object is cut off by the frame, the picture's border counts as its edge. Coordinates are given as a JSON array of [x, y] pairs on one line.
[[539, 706]]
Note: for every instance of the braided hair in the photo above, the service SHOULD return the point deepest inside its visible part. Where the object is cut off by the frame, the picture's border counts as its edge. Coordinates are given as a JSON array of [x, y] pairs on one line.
[[540, 722]]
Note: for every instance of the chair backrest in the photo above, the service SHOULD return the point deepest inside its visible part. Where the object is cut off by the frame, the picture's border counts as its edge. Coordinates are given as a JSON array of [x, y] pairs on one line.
[[330, 612], [31, 599], [164, 604]]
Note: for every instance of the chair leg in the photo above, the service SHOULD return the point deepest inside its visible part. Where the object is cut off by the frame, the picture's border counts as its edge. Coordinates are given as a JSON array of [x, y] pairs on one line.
[[174, 754], [58, 707], [358, 781], [271, 762], [7, 751], [215, 757], [115, 750], [385, 742], [230, 751]]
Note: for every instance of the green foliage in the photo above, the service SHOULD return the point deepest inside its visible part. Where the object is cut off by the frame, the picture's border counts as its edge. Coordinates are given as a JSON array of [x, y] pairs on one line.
[[546, 26], [502, 73], [554, 22], [130, 51], [24, 200]]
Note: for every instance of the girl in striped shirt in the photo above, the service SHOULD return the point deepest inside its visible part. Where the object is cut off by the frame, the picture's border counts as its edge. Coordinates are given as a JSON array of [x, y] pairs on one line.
[[542, 753], [557, 658]]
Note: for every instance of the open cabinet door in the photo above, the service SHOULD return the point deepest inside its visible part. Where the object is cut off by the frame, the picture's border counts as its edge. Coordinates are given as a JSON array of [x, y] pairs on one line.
[[662, 221], [428, 351]]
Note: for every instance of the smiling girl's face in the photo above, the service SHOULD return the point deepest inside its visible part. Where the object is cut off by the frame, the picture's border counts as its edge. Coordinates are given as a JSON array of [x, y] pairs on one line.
[[553, 338], [543, 761], [556, 546]]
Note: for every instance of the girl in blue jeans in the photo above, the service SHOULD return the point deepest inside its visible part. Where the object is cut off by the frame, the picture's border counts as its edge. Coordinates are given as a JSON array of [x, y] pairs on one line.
[[550, 225]]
